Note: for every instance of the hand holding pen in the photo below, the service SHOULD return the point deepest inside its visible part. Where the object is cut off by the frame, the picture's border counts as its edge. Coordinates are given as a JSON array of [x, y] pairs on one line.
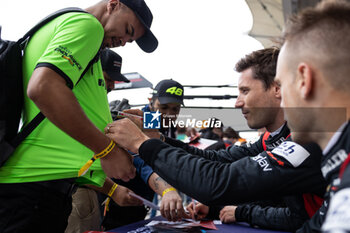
[[197, 210], [121, 114]]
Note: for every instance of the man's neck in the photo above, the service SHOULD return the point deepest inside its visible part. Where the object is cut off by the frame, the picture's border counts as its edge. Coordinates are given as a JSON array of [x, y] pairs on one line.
[[324, 139], [329, 142], [98, 11], [277, 123], [337, 100]]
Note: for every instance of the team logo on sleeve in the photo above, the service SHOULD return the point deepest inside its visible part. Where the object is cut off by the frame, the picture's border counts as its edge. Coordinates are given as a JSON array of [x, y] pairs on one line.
[[67, 54], [334, 162], [151, 120], [292, 152], [263, 162]]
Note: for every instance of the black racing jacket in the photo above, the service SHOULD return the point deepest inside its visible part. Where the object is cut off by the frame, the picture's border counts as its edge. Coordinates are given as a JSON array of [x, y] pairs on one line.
[[338, 189], [234, 153], [288, 217], [286, 170]]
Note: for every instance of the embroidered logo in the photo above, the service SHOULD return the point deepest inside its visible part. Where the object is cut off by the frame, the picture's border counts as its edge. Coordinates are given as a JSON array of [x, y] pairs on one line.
[[67, 54]]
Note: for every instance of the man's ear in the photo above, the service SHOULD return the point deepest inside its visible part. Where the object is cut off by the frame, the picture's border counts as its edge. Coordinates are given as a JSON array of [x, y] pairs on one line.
[[112, 5], [305, 80], [277, 90]]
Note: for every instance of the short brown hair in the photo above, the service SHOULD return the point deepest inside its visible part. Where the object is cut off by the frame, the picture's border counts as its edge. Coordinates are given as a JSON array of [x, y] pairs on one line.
[[263, 63], [321, 34]]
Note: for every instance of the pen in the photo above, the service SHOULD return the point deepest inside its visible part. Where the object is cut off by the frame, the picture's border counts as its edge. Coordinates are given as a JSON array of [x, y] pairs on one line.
[[194, 209], [124, 114]]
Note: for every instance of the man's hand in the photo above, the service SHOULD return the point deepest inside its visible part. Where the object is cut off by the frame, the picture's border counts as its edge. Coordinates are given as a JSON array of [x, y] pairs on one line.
[[126, 134], [122, 197], [136, 120], [171, 207], [151, 133], [227, 214], [201, 210], [118, 164]]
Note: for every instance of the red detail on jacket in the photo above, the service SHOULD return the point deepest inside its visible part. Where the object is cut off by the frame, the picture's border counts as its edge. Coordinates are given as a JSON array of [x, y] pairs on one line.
[[343, 166], [312, 203], [265, 137]]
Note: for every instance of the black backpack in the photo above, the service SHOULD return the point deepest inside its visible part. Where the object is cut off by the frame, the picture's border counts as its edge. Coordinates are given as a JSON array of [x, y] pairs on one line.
[[11, 89]]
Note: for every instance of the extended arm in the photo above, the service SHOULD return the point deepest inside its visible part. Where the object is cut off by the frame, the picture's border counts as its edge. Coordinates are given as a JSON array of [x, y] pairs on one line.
[[269, 217], [231, 154], [250, 178], [121, 194]]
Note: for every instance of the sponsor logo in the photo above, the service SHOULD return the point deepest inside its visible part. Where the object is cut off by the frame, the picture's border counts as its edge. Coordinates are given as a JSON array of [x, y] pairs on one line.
[[67, 54], [334, 162], [151, 120], [275, 144], [261, 160], [292, 152]]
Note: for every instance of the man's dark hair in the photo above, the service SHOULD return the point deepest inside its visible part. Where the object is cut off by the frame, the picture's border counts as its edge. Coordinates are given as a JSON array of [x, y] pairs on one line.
[[263, 63]]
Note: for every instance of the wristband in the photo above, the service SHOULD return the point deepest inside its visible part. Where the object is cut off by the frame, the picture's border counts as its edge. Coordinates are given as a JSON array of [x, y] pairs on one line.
[[102, 154], [106, 202], [111, 191], [108, 199], [168, 190], [106, 151]]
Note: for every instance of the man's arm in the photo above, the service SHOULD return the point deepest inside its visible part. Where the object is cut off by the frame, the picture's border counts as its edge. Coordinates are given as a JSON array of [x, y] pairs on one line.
[[121, 194], [269, 217], [229, 155], [171, 206], [171, 200], [57, 102], [288, 169], [251, 178]]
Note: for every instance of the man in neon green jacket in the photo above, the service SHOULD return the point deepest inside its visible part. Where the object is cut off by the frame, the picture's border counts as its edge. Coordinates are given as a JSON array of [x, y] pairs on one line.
[[37, 181]]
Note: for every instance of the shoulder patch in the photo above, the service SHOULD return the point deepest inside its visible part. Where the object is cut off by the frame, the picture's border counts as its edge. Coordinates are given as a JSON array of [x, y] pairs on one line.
[[292, 152], [338, 215]]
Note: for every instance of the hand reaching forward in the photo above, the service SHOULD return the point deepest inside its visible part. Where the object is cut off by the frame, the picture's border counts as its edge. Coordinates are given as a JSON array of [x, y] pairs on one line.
[[122, 197], [227, 214], [126, 134], [171, 207], [200, 211]]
